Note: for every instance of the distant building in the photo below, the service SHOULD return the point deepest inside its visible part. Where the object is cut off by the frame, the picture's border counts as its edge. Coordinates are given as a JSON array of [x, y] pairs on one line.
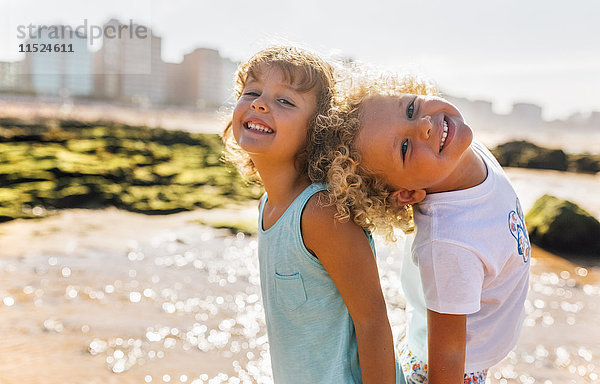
[[527, 114], [594, 120], [483, 107], [175, 84], [59, 73], [10, 76], [204, 73], [476, 107], [577, 118], [477, 113], [130, 68], [203, 79], [228, 74]]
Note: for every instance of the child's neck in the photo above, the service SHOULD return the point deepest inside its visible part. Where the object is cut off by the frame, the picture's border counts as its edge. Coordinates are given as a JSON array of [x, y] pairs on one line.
[[475, 172], [283, 183], [470, 172]]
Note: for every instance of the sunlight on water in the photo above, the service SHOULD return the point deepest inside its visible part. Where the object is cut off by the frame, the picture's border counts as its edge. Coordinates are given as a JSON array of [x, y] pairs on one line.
[[195, 295], [229, 321]]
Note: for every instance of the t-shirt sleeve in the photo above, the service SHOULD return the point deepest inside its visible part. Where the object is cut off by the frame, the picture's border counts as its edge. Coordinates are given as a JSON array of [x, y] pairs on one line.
[[452, 278]]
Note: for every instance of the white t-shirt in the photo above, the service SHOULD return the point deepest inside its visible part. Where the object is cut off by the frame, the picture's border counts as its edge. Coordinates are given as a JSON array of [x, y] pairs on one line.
[[470, 256]]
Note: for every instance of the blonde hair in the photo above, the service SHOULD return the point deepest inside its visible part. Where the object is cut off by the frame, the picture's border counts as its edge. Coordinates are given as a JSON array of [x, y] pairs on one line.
[[303, 69], [357, 193]]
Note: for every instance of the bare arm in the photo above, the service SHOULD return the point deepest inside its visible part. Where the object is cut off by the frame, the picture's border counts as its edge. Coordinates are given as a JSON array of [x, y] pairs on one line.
[[447, 340], [344, 251]]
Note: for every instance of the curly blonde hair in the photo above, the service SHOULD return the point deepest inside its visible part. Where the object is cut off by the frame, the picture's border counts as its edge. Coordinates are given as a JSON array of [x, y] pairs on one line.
[[357, 193], [307, 72]]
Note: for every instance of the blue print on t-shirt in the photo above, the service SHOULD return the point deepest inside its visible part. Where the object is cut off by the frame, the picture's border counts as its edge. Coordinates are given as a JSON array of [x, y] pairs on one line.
[[516, 225]]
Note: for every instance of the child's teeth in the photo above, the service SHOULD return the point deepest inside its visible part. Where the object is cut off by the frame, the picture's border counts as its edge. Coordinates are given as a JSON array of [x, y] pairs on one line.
[[444, 135], [258, 127]]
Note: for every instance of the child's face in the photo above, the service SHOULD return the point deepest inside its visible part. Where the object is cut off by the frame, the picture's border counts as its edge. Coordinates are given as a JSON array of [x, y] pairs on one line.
[[413, 142], [271, 117]]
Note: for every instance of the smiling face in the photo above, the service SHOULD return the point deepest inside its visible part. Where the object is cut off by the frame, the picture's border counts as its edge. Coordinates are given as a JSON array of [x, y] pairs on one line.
[[414, 142], [272, 117]]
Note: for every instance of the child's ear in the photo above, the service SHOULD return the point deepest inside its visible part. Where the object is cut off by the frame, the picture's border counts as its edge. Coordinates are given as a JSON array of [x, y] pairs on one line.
[[404, 196]]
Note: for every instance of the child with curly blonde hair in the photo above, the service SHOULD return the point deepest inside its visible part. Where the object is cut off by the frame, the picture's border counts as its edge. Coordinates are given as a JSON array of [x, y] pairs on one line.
[[325, 312], [398, 151]]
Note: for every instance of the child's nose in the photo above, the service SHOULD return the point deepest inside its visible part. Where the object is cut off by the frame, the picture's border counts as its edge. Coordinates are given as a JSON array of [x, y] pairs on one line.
[[425, 126], [258, 105]]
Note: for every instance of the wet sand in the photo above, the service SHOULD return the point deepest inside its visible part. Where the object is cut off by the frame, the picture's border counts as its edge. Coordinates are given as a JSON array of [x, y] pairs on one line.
[[79, 304], [109, 296]]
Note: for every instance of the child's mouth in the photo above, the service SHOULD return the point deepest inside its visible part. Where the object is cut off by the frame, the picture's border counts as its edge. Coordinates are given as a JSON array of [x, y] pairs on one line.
[[444, 135], [252, 126]]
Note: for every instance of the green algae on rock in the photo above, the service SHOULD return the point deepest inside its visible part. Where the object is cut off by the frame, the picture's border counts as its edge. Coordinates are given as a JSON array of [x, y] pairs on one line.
[[524, 154], [66, 164], [561, 225]]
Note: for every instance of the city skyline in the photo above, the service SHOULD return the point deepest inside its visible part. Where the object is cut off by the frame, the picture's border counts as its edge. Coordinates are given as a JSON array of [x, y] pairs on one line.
[[128, 68], [132, 71], [513, 55]]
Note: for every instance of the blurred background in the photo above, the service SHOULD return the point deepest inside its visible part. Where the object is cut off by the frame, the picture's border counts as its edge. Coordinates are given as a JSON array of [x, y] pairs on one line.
[[127, 247]]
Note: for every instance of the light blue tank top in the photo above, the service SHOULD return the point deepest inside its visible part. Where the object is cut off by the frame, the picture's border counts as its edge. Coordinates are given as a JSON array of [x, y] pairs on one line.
[[311, 333]]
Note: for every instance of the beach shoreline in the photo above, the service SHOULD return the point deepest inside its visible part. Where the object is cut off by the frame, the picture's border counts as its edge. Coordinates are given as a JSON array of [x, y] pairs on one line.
[[214, 120]]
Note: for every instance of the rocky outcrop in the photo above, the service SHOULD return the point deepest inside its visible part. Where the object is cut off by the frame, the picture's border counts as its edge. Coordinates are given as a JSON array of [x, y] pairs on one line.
[[528, 155], [563, 226], [524, 154], [66, 164]]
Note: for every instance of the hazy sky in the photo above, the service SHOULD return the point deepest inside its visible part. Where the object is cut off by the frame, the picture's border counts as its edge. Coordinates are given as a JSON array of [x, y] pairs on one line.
[[541, 51]]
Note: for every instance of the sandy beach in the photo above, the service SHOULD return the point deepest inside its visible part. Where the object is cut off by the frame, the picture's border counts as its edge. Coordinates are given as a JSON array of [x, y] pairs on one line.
[[106, 296], [77, 281]]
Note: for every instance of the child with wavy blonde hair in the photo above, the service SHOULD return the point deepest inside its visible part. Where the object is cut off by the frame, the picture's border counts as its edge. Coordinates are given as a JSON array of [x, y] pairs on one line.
[[398, 152], [325, 312]]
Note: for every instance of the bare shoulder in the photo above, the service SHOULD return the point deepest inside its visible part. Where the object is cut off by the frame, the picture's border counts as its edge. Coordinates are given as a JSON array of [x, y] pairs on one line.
[[316, 210], [319, 216], [321, 230]]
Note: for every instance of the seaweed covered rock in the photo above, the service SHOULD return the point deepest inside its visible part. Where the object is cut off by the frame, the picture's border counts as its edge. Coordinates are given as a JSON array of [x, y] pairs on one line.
[[528, 155], [524, 154], [148, 170], [563, 226], [586, 163]]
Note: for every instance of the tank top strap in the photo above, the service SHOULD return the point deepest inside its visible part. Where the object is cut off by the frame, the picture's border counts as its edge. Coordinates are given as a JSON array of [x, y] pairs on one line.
[[300, 202], [293, 211]]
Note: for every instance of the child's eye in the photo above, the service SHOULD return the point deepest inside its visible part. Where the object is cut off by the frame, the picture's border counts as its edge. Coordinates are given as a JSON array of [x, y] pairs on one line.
[[404, 149], [251, 93], [286, 102], [410, 110]]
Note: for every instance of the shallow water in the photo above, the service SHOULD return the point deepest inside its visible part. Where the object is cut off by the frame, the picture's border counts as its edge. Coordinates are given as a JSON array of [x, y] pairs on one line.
[[531, 184], [185, 307]]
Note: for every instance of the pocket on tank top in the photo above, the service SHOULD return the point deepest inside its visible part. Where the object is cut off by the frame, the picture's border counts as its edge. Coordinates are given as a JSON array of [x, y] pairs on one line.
[[290, 291]]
